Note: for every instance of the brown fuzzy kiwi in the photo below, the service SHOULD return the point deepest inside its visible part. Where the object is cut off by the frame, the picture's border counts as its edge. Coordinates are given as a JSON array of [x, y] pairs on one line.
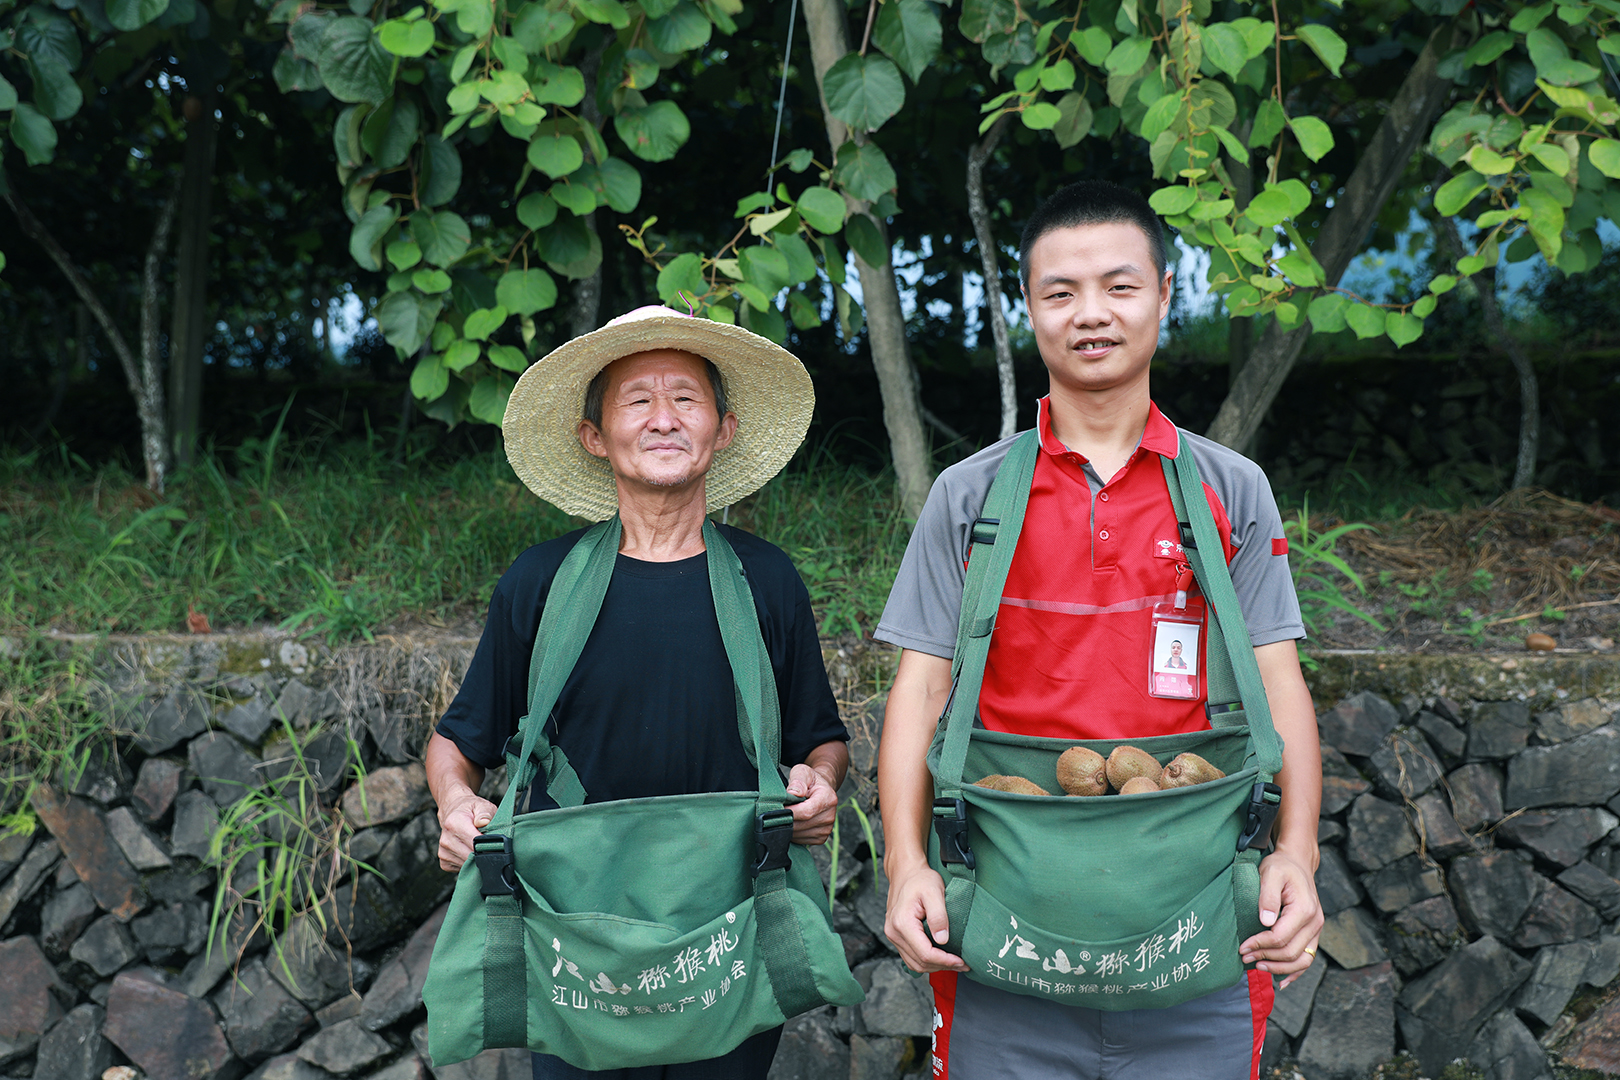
[[1188, 769], [1138, 785], [1127, 761], [1081, 771], [1015, 784]]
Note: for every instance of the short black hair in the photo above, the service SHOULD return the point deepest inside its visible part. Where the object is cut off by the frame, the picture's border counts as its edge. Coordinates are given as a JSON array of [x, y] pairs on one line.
[[597, 391], [1092, 202]]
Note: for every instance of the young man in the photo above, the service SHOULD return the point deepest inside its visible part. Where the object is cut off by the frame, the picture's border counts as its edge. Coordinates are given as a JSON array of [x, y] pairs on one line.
[[1071, 653], [660, 418]]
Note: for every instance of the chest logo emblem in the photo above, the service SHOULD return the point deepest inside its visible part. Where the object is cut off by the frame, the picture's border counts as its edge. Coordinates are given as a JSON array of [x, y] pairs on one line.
[[1166, 549]]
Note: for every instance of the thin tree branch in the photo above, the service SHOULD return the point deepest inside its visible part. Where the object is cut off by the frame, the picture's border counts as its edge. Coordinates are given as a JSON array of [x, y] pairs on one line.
[[979, 212]]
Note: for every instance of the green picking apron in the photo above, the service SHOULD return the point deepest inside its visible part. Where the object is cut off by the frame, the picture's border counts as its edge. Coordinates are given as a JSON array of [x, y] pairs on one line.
[[642, 931], [1116, 901]]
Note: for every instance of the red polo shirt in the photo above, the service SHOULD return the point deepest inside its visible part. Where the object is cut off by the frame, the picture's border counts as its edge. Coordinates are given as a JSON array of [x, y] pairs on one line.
[[1070, 655]]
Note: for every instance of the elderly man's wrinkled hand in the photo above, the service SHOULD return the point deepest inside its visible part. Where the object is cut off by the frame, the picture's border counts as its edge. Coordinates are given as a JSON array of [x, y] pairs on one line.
[[461, 820], [812, 818]]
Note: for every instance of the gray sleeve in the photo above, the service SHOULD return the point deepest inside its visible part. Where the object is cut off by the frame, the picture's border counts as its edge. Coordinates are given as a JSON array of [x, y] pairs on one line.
[[926, 600], [1265, 587]]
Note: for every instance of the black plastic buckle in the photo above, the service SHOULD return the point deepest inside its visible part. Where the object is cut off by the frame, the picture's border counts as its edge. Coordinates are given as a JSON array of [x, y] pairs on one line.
[[951, 823], [497, 872], [1187, 540], [985, 530], [772, 839], [1264, 802]]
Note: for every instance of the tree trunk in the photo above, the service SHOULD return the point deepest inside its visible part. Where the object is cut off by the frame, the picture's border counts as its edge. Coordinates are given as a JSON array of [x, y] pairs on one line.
[[587, 313], [145, 387], [188, 329], [1418, 102], [1239, 332], [1451, 245], [886, 326], [988, 251]]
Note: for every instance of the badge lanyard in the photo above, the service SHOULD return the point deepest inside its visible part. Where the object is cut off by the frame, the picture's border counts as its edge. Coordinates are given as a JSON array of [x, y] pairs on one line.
[[1177, 641]]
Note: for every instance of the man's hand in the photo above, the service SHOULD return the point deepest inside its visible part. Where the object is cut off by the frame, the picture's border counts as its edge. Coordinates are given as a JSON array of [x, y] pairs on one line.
[[915, 896], [1290, 908], [812, 818], [461, 820]]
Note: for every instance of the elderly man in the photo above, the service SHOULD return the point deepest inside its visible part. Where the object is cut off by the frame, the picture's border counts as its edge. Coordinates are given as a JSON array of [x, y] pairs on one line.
[[657, 417]]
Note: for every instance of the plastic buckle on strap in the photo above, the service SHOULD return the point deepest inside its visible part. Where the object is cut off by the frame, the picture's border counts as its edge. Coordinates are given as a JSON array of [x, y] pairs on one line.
[[496, 870], [773, 835], [1187, 540], [951, 823], [985, 529], [1264, 802]]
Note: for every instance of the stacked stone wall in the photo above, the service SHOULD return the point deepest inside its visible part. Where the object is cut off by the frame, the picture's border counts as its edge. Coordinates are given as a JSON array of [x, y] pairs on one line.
[[1469, 861]]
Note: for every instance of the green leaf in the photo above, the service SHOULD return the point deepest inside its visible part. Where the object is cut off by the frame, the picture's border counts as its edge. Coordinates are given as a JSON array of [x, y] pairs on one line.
[[133, 14], [1325, 43], [399, 137], [766, 322], [42, 32], [984, 19], [1605, 156], [1551, 58], [294, 74], [1529, 18], [55, 93], [524, 292], [365, 239], [801, 264], [803, 312], [1470, 264], [353, 65], [1367, 322], [405, 320], [908, 31], [577, 198], [1442, 284], [483, 322], [620, 184], [1487, 161], [653, 132], [1269, 207], [569, 248], [864, 171], [1041, 116], [1300, 268], [1403, 329], [1225, 47], [1170, 201], [8, 95], [822, 209], [1230, 143], [1076, 119], [765, 268], [1058, 77], [1458, 192], [461, 355], [1128, 56], [403, 38], [444, 236], [1488, 48], [685, 28], [487, 401], [540, 25], [536, 211], [556, 155], [430, 379], [440, 172], [866, 241], [1160, 115], [764, 223], [508, 358], [609, 12], [404, 254], [757, 298], [554, 84], [1424, 307], [475, 18], [1327, 313], [863, 91], [431, 282], [684, 275], [1552, 157], [1093, 44], [1315, 139], [462, 99], [1269, 121], [33, 133]]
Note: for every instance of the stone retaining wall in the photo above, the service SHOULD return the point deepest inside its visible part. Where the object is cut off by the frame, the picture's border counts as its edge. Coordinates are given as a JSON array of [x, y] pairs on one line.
[[1468, 874]]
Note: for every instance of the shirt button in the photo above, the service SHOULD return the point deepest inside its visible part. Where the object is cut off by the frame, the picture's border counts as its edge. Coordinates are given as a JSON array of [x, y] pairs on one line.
[[1103, 496], [1103, 535]]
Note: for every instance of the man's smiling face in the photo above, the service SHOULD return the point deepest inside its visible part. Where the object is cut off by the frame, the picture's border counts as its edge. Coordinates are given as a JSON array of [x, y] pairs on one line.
[[660, 425], [1096, 302]]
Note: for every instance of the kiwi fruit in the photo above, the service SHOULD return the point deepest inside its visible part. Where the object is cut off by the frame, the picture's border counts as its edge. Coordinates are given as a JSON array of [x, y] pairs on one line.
[[1015, 784], [1138, 785], [1127, 762], [1081, 771], [1188, 769]]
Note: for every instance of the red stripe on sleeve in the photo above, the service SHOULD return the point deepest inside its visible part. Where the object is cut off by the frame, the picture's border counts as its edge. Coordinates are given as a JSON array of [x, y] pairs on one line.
[[1279, 545]]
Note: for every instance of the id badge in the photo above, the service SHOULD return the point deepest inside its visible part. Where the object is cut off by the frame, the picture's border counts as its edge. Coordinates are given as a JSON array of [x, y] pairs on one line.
[[1178, 634]]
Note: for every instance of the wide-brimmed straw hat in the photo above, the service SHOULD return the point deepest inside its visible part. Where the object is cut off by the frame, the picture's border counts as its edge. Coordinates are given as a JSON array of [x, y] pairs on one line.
[[765, 385]]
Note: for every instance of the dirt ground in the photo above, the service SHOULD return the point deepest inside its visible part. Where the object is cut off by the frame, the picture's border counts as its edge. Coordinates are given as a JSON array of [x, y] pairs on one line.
[[1484, 579]]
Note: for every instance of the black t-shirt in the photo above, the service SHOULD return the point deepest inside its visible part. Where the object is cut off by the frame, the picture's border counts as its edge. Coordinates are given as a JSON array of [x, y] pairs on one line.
[[650, 709]]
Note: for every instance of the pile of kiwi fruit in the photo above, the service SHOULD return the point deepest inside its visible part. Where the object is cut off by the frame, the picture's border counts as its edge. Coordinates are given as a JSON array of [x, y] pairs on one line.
[[1127, 771]]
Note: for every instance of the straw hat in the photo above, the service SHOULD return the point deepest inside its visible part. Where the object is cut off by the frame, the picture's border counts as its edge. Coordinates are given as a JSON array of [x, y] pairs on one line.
[[766, 387]]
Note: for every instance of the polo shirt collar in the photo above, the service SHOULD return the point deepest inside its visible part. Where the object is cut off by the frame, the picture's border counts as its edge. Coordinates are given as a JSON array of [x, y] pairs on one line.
[[1160, 435]]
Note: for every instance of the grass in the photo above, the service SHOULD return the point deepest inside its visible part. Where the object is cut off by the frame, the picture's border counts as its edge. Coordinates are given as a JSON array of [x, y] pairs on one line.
[[338, 540]]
